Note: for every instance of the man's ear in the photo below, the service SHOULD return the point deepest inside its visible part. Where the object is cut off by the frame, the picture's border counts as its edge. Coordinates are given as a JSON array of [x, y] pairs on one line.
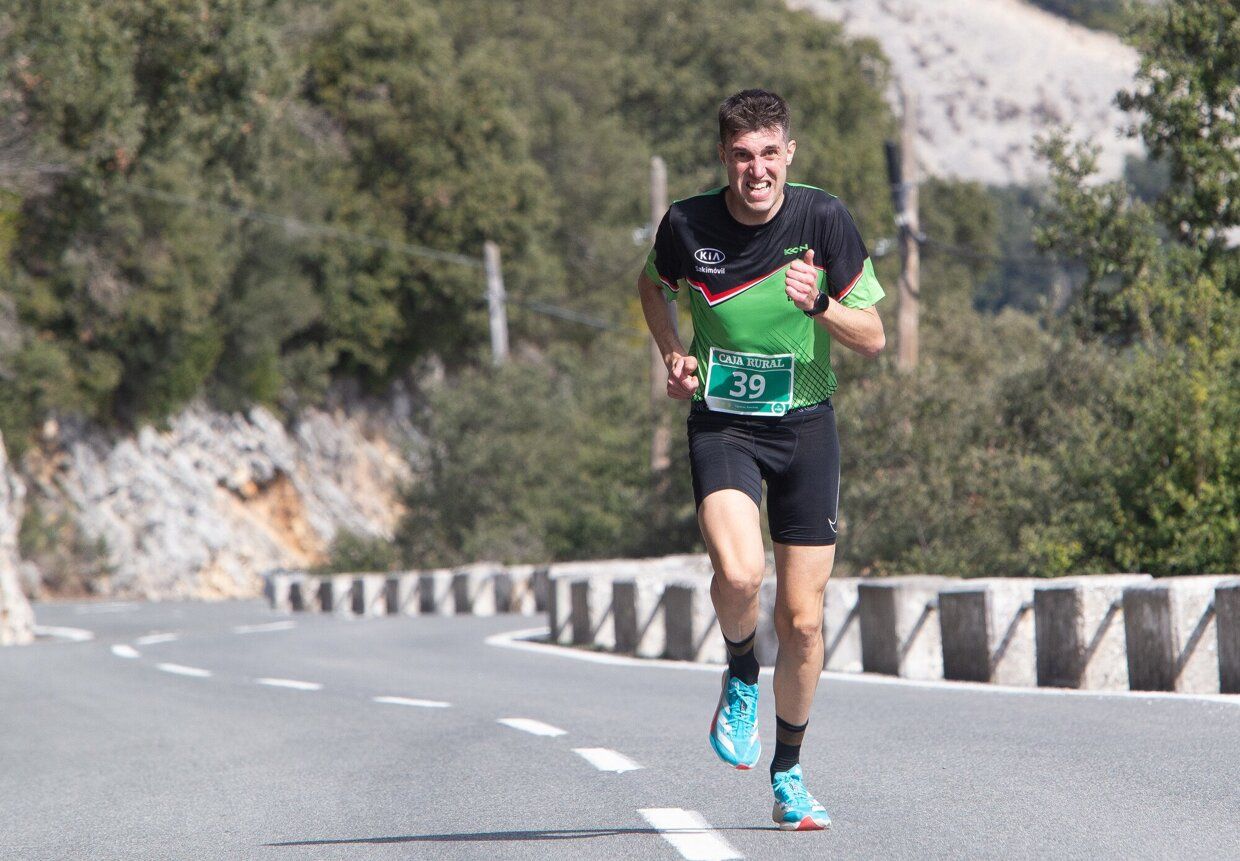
[[792, 148], [722, 161]]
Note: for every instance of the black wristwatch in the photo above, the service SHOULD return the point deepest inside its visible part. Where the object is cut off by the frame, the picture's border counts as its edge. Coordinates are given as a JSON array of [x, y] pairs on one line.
[[820, 305]]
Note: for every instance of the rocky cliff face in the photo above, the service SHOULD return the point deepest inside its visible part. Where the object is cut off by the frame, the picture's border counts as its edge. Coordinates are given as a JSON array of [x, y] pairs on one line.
[[16, 618], [201, 509], [991, 76]]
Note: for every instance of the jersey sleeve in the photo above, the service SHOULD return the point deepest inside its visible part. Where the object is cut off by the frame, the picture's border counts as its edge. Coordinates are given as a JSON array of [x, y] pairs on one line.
[[663, 264], [849, 271]]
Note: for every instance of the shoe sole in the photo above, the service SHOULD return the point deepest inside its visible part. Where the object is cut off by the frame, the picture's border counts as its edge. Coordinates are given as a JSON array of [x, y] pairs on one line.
[[809, 823], [714, 745]]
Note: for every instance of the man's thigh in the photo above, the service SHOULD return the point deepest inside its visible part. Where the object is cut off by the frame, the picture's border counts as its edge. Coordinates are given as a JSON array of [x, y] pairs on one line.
[[801, 574], [732, 531]]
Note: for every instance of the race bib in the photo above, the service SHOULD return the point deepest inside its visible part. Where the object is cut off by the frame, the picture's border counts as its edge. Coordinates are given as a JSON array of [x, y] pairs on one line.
[[749, 384]]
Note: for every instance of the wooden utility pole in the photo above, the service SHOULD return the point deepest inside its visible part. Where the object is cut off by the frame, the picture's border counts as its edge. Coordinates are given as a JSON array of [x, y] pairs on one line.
[[661, 433], [496, 303], [910, 237]]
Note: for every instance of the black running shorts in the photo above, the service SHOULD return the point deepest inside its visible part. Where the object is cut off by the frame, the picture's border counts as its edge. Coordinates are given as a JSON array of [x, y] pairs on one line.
[[797, 454]]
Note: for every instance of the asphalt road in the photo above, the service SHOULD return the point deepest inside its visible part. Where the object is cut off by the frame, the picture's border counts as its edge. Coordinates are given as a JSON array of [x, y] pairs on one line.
[[120, 747]]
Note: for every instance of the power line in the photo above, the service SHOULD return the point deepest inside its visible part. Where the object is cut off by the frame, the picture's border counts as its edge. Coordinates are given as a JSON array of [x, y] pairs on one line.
[[296, 225]]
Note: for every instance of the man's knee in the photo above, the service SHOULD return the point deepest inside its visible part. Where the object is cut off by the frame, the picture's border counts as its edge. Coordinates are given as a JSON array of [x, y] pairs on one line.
[[800, 631], [740, 579]]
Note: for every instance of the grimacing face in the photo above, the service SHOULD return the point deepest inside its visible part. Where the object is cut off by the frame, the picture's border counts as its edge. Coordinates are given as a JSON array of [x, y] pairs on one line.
[[757, 165]]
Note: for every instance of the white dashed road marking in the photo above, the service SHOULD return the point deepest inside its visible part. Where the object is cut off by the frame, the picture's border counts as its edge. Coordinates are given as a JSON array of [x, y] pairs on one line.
[[535, 727], [77, 635], [269, 626], [115, 607], [290, 683], [123, 651], [606, 760], [184, 671], [406, 701], [152, 639], [689, 834]]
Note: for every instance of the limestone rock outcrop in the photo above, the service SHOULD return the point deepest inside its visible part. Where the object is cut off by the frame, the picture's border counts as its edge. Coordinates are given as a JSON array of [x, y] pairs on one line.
[[203, 508]]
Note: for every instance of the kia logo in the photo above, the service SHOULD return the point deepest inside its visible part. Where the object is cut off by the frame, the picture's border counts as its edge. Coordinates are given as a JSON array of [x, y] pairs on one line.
[[708, 256]]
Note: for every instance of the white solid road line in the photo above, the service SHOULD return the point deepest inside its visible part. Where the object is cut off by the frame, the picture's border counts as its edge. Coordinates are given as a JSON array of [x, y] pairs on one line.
[[123, 651], [268, 626], [77, 635], [534, 727], [290, 683], [606, 760], [152, 639], [689, 834], [407, 701], [184, 671], [522, 641]]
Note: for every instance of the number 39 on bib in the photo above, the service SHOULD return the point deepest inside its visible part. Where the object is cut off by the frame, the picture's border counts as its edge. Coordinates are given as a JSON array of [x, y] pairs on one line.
[[749, 384]]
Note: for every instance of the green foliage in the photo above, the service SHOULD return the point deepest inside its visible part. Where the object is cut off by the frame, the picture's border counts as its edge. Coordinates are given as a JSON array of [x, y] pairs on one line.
[[351, 553], [1111, 15], [543, 460], [140, 105], [1109, 442]]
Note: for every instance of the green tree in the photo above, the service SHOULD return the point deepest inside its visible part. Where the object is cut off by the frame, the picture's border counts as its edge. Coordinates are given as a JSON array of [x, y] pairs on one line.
[[142, 107]]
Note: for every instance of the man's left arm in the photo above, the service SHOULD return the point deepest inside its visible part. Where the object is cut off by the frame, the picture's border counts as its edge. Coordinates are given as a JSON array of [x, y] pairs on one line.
[[858, 329]]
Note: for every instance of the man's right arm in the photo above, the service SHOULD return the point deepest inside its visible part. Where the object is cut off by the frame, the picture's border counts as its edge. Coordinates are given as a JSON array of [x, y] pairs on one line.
[[681, 368]]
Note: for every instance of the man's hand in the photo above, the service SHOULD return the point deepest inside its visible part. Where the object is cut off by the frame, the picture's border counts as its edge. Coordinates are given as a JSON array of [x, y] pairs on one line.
[[682, 379], [801, 282]]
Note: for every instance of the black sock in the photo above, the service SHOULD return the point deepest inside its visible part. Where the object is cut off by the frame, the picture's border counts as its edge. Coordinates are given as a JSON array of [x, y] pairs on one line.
[[742, 662], [787, 745]]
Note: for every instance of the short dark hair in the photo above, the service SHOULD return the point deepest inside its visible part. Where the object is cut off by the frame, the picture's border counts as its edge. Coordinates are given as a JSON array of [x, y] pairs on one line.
[[751, 111]]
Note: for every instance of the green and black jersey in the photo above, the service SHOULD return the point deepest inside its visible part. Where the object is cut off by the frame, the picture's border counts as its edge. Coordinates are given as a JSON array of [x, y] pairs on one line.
[[744, 324]]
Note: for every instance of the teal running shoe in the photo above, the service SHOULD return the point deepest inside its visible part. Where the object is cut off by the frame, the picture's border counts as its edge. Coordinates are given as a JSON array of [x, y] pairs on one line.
[[734, 730], [795, 809]]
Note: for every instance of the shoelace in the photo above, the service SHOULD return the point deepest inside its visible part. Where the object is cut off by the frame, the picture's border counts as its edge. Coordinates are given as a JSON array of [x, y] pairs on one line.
[[743, 717], [792, 791]]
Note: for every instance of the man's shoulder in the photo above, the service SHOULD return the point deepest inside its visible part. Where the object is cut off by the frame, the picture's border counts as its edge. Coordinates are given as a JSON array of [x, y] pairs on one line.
[[697, 206], [817, 202]]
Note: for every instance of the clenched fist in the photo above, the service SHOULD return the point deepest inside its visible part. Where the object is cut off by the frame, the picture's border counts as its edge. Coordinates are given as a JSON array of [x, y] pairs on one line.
[[801, 282], [682, 380]]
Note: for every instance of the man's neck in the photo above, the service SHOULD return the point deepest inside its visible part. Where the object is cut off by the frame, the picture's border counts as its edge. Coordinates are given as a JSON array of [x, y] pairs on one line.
[[747, 216]]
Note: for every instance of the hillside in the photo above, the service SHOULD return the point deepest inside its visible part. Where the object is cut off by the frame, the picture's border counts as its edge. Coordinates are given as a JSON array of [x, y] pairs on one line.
[[992, 76]]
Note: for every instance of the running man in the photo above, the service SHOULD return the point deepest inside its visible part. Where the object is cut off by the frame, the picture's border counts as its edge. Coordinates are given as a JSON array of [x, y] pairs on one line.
[[774, 271]]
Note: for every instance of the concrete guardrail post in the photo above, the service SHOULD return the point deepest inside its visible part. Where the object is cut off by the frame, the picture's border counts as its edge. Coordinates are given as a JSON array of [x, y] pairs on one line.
[[1227, 613], [637, 606], [326, 593], [540, 581], [765, 641], [367, 595], [987, 630], [1079, 632], [400, 594], [342, 593], [276, 585], [592, 617], [559, 610], [900, 635], [841, 626], [521, 598], [1171, 635], [474, 589], [301, 594], [435, 592], [692, 629]]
